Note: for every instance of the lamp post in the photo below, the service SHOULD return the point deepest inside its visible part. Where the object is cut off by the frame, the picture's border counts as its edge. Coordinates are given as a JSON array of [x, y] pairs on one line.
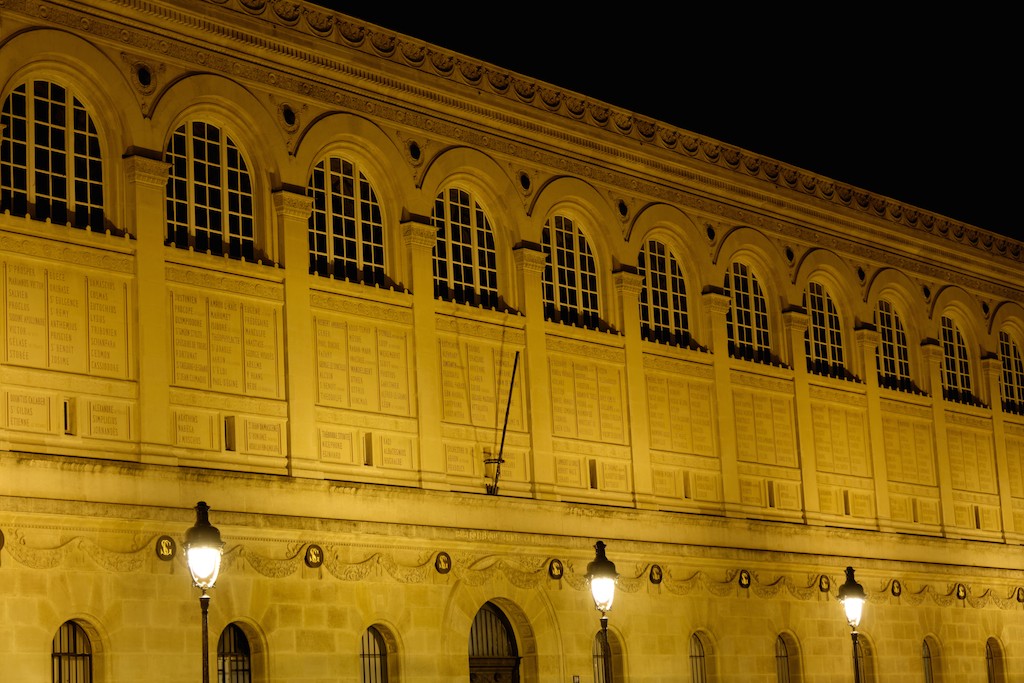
[[602, 577], [852, 595], [203, 549]]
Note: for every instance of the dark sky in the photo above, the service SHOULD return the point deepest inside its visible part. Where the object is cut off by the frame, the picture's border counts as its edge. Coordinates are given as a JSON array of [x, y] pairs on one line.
[[921, 109]]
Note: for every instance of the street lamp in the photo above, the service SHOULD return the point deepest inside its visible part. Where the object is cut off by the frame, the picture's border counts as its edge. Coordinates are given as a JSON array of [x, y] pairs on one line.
[[203, 549], [602, 577], [852, 595]]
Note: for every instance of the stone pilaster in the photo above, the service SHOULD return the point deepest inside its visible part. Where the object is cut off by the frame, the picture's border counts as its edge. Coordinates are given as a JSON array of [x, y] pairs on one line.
[[628, 284], [292, 209], [867, 339], [796, 323], [716, 305], [530, 260], [419, 236], [931, 352], [146, 181]]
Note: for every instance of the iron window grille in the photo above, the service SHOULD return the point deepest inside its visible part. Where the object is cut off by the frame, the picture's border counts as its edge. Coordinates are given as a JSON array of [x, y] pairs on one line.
[[72, 655]]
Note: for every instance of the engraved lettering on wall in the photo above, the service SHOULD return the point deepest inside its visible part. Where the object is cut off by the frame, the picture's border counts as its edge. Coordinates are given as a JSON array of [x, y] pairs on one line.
[[362, 366], [909, 456], [587, 400], [764, 428], [475, 378], [840, 439], [61, 319], [971, 460], [226, 344], [679, 414]]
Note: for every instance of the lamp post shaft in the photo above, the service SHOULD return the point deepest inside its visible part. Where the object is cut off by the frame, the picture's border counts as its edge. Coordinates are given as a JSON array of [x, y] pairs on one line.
[[856, 662], [204, 606], [606, 660]]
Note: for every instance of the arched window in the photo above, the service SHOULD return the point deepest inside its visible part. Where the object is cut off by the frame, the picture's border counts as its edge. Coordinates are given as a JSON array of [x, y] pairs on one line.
[[346, 232], [747, 318], [698, 663], [926, 660], [1011, 385], [994, 665], [209, 193], [465, 261], [570, 276], [50, 162], [234, 662], [72, 655], [892, 358], [493, 653], [862, 660], [602, 654], [823, 340], [373, 652], [783, 665], [956, 364], [663, 315]]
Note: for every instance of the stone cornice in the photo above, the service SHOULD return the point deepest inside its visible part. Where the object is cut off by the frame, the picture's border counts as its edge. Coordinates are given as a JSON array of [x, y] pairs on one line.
[[314, 23], [349, 32]]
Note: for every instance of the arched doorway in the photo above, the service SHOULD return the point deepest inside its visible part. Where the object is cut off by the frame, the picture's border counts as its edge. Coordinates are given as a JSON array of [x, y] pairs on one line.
[[493, 654]]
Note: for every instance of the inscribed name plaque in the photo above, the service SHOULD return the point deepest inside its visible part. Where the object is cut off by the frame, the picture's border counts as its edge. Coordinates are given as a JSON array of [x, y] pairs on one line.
[[29, 412], [568, 471], [362, 366], [840, 439], [263, 437], [337, 445], [764, 428], [226, 344], [475, 384], [909, 456], [67, 321], [587, 400], [61, 319], [680, 414], [395, 452], [194, 429], [971, 460], [460, 458], [109, 420]]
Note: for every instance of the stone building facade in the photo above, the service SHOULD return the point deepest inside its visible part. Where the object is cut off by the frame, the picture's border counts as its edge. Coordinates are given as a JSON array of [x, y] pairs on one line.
[[421, 331]]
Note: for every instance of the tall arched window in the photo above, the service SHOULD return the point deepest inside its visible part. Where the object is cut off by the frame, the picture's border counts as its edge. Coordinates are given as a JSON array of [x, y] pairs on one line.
[[465, 261], [823, 340], [346, 232], [698, 662], [663, 315], [72, 655], [926, 661], [747, 318], [602, 655], [892, 357], [1011, 384], [209, 193], [956, 364], [783, 665], [373, 653], [50, 161], [570, 276], [234, 661], [493, 653], [994, 666]]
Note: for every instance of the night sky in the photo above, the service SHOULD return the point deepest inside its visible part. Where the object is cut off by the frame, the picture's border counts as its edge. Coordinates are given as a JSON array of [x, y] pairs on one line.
[[916, 109]]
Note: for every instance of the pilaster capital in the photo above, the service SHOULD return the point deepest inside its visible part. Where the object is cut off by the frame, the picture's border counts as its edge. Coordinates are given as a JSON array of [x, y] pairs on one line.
[[628, 281], [530, 258], [716, 301], [796, 319], [292, 203], [418, 232], [144, 170]]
